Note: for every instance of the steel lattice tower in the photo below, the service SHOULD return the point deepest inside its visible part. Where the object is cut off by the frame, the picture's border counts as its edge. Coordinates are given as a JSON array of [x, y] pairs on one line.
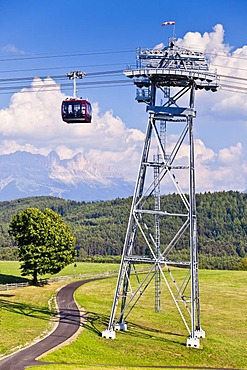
[[176, 74]]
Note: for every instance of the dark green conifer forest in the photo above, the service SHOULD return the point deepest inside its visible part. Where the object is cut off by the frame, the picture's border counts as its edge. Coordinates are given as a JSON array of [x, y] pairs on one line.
[[99, 227]]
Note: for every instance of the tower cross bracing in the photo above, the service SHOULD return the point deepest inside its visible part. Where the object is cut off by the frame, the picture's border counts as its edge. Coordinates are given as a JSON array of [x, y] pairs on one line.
[[161, 238]]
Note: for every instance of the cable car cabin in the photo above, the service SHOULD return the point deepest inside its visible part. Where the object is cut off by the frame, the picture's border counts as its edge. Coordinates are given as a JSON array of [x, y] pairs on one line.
[[76, 111]]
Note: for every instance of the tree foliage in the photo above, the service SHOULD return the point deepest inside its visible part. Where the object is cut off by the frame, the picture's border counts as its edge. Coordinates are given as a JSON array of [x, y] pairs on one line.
[[100, 227], [45, 243]]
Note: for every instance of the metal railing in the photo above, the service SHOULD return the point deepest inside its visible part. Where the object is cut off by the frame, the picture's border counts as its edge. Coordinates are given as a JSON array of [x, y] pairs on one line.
[[9, 286]]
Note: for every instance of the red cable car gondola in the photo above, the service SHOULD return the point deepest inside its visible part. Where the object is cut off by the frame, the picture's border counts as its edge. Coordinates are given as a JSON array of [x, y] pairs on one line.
[[75, 110]]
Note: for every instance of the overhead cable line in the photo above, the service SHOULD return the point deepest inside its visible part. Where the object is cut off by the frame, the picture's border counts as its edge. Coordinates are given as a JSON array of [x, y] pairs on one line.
[[233, 77], [67, 55], [97, 84], [37, 57], [98, 74], [36, 87], [235, 91], [65, 67], [208, 52], [89, 74], [31, 78], [226, 56], [57, 88], [235, 68], [107, 84], [235, 87]]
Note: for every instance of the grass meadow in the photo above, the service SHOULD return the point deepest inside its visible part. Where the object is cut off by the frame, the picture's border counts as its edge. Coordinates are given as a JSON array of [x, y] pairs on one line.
[[25, 313], [10, 270], [151, 340], [159, 339]]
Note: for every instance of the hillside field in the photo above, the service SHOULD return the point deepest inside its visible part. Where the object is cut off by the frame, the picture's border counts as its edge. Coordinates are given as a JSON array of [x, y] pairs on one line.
[[100, 227], [151, 340]]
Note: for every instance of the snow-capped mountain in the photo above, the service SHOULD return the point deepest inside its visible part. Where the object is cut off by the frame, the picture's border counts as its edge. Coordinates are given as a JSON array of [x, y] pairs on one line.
[[23, 174]]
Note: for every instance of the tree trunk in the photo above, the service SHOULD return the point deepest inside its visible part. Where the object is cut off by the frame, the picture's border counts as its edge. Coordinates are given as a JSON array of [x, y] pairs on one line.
[[35, 278]]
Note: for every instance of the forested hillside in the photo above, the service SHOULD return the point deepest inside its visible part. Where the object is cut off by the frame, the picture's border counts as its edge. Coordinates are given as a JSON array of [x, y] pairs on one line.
[[100, 227]]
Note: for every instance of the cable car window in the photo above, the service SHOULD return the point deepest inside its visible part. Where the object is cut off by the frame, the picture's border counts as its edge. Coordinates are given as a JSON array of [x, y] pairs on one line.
[[70, 108], [89, 108], [64, 108], [77, 107]]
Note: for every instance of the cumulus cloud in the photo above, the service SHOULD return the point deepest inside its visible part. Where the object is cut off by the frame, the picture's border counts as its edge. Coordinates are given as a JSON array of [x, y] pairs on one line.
[[229, 64], [12, 49], [222, 170], [32, 123], [11, 146], [231, 155], [209, 41], [221, 115], [225, 169]]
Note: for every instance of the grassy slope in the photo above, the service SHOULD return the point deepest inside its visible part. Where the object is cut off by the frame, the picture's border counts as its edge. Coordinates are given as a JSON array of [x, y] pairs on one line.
[[152, 339], [24, 315], [159, 339], [10, 270], [24, 312]]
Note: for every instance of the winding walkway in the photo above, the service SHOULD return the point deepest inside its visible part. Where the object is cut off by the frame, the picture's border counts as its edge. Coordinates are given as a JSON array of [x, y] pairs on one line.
[[68, 325]]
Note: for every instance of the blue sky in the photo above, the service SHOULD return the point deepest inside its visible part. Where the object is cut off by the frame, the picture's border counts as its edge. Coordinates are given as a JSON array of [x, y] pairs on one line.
[[39, 39]]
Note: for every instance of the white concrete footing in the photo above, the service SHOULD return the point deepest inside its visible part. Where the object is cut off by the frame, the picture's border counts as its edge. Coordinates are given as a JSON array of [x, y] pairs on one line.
[[108, 334], [193, 342], [200, 333], [120, 326]]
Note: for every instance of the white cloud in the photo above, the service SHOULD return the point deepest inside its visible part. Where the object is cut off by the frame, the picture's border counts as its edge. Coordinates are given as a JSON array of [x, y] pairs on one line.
[[231, 155], [12, 49], [32, 123], [33, 113], [229, 64], [11, 146], [209, 41], [223, 170]]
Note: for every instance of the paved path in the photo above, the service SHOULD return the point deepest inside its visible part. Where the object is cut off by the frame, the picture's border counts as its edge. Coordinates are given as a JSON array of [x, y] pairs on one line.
[[69, 323]]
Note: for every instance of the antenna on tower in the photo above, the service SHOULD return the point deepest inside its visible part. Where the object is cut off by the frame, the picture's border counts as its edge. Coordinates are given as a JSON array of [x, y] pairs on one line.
[[173, 38]]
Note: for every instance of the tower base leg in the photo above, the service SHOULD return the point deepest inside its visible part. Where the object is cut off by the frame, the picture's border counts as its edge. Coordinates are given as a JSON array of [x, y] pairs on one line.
[[108, 334], [200, 333], [193, 342], [120, 326]]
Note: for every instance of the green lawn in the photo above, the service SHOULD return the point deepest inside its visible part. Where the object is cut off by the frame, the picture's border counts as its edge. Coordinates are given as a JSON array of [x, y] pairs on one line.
[[25, 312], [24, 315], [151, 340], [159, 339], [10, 271]]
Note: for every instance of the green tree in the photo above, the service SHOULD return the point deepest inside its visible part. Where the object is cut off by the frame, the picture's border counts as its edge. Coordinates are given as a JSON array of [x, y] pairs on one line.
[[242, 265], [45, 243]]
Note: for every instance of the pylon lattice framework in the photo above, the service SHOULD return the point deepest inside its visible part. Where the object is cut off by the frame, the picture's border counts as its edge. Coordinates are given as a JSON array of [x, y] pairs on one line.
[[151, 220]]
